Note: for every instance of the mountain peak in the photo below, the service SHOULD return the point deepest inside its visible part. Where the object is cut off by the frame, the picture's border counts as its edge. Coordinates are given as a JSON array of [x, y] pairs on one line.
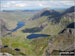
[[46, 9]]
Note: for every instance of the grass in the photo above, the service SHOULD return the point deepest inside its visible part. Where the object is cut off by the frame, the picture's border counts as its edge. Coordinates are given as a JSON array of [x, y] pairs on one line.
[[27, 46]]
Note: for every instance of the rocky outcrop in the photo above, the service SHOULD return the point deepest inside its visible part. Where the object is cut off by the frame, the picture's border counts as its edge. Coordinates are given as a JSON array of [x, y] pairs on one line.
[[64, 42], [3, 28]]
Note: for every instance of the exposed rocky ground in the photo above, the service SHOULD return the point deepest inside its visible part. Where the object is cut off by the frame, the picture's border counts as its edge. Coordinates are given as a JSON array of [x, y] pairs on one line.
[[64, 42]]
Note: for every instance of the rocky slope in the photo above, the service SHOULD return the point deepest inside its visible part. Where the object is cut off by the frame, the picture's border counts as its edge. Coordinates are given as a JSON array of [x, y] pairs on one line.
[[63, 41], [3, 28]]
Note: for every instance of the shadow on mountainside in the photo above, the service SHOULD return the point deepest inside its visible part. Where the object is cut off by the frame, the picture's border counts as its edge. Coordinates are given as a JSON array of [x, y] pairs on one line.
[[32, 30]]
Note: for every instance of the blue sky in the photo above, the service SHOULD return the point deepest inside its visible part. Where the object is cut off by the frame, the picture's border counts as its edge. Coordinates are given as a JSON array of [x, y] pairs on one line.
[[27, 4]]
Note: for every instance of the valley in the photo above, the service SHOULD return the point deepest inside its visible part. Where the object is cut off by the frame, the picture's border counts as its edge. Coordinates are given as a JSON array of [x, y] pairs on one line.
[[31, 33]]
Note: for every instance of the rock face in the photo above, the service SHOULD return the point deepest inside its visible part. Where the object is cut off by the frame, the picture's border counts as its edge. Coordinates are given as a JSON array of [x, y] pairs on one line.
[[3, 28], [71, 25], [64, 42]]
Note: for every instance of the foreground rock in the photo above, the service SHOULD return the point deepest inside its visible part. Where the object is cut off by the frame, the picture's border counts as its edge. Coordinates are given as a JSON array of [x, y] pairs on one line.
[[5, 54]]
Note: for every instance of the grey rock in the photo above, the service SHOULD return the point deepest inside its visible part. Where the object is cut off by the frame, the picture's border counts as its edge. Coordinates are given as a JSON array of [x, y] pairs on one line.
[[5, 54]]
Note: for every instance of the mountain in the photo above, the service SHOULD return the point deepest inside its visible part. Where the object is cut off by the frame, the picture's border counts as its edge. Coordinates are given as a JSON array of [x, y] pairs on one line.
[[65, 17], [69, 10], [44, 12], [56, 17], [64, 41], [50, 18], [61, 39]]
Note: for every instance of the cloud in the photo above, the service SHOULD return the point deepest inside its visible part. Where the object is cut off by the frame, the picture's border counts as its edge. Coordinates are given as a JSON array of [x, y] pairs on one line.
[[40, 4], [37, 4], [21, 5], [68, 3], [10, 4], [59, 4]]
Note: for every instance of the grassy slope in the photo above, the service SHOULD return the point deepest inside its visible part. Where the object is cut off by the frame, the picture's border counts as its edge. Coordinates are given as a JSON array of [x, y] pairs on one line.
[[27, 46]]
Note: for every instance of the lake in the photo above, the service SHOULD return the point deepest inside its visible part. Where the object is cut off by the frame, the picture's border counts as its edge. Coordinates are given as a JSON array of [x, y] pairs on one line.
[[19, 25], [37, 36]]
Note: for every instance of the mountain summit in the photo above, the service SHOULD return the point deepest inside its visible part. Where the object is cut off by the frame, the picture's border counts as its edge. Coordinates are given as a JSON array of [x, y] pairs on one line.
[[45, 12]]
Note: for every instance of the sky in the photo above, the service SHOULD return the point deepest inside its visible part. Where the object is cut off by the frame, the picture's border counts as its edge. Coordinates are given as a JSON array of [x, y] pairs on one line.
[[34, 4]]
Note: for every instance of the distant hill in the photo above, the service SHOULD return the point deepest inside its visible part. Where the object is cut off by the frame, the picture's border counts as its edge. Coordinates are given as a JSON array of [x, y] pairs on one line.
[[21, 10]]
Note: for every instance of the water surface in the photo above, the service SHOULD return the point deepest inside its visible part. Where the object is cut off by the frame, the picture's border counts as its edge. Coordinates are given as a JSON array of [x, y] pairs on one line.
[[37, 36], [19, 25]]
